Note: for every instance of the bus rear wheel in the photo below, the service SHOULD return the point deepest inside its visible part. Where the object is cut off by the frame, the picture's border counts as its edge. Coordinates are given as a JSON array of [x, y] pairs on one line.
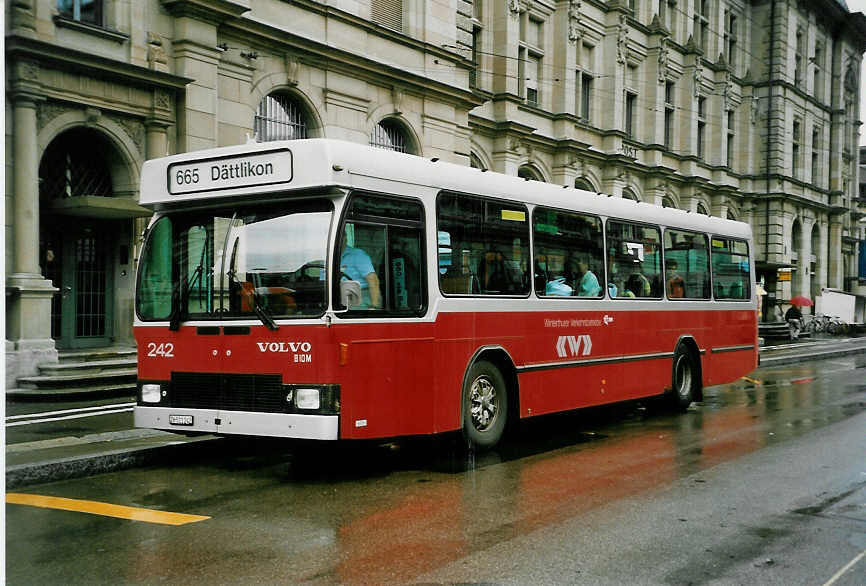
[[485, 406], [685, 378]]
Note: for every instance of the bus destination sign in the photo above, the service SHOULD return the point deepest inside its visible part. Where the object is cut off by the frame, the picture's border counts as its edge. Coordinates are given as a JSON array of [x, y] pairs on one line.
[[230, 172]]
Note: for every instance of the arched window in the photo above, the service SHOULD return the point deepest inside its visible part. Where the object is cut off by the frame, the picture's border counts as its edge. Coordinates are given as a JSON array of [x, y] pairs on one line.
[[279, 117], [667, 202], [389, 135], [796, 236], [629, 194], [67, 170], [702, 209], [583, 183], [799, 264], [815, 266], [475, 161], [731, 215], [528, 172]]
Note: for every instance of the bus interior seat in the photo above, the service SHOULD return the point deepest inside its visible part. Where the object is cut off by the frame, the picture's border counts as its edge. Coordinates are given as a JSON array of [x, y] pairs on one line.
[[247, 295], [458, 284]]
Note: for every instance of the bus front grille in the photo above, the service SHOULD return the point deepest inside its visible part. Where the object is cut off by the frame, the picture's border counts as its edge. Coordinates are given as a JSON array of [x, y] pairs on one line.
[[229, 392]]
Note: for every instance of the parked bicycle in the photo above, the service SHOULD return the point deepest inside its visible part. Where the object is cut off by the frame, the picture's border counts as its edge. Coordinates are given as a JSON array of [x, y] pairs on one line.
[[817, 323], [826, 323], [837, 327]]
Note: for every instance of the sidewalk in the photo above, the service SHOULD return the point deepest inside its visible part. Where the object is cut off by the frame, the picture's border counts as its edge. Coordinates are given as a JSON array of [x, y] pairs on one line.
[[69, 457]]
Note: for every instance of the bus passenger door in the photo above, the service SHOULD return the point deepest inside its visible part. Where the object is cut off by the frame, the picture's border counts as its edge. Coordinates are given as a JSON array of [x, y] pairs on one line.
[[387, 371]]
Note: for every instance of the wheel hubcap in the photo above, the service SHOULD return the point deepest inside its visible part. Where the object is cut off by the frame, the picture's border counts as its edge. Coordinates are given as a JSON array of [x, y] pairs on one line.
[[684, 376], [483, 403]]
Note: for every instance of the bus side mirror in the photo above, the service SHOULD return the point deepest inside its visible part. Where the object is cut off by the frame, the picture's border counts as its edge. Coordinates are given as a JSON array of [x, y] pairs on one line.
[[350, 294]]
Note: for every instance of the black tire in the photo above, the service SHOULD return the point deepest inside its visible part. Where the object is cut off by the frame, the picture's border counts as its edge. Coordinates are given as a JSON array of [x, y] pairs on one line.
[[485, 406], [684, 378]]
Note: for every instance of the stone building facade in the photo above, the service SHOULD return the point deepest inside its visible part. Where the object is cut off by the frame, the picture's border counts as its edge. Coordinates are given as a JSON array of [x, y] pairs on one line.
[[737, 108]]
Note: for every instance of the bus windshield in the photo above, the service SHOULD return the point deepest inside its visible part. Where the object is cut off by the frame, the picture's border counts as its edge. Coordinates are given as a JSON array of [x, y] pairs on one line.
[[265, 261]]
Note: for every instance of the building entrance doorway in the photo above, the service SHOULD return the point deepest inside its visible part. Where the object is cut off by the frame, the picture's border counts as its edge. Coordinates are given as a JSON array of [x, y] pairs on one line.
[[79, 261], [81, 232]]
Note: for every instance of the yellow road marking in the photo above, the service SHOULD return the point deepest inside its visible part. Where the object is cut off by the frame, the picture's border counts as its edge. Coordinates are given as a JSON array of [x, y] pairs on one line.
[[751, 380], [105, 509]]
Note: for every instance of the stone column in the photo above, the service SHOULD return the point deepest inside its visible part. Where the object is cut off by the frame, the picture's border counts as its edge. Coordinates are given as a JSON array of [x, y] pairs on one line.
[[26, 182], [612, 83], [804, 259], [28, 318], [197, 56], [613, 181], [835, 264], [157, 140]]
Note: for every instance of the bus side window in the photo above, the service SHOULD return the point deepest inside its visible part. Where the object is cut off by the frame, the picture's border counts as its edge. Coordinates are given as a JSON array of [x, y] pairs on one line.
[[687, 270], [731, 274], [569, 254], [389, 231], [489, 245], [406, 277], [634, 257]]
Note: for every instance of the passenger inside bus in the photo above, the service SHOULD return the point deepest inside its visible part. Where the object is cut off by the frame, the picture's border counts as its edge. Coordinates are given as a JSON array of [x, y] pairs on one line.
[[355, 264], [492, 273], [639, 285], [625, 291], [585, 281], [676, 287], [540, 271]]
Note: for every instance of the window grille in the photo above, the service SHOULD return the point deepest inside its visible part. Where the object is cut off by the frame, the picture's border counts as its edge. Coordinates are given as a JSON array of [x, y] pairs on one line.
[[279, 117], [388, 13], [388, 135], [69, 170]]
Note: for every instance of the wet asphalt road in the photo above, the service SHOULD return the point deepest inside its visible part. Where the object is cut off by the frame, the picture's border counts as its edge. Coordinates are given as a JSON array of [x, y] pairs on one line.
[[764, 483]]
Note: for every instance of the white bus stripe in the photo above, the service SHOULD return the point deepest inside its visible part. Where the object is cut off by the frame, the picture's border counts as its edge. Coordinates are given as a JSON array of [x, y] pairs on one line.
[[79, 416], [65, 411]]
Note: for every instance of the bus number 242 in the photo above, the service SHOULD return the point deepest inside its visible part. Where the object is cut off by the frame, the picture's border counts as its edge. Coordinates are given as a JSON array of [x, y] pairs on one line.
[[155, 350]]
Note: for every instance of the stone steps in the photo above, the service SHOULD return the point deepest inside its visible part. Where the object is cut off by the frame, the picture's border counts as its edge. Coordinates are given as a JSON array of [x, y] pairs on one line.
[[82, 373]]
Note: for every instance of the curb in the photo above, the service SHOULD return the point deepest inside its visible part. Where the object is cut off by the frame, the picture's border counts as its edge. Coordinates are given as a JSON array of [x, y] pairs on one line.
[[813, 354], [140, 453]]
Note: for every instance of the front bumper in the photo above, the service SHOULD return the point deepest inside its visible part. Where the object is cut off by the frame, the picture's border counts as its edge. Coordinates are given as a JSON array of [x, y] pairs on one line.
[[287, 425]]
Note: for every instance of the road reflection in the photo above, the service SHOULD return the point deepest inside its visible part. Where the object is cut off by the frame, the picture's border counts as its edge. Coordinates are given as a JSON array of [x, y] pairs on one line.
[[362, 513], [564, 465]]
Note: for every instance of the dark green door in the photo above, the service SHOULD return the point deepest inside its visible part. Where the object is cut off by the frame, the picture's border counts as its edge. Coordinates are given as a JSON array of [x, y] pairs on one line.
[[82, 310]]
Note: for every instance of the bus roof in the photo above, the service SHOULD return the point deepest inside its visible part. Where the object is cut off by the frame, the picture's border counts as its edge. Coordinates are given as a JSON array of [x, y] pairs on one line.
[[318, 164]]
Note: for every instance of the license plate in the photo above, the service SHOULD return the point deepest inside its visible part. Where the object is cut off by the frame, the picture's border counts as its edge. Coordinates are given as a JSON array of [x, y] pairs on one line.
[[180, 419]]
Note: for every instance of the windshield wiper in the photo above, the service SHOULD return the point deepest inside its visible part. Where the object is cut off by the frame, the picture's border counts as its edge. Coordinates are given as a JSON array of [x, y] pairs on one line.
[[181, 296], [264, 315]]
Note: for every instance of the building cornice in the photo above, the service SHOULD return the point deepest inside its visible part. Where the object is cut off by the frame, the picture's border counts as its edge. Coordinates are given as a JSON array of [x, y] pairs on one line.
[[212, 11], [67, 59], [277, 39], [444, 52]]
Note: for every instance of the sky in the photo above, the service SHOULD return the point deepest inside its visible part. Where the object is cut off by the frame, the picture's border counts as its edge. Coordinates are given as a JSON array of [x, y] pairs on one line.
[[860, 6]]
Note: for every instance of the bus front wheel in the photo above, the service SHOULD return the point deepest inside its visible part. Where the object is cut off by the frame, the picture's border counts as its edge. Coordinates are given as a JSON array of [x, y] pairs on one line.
[[685, 378], [485, 405]]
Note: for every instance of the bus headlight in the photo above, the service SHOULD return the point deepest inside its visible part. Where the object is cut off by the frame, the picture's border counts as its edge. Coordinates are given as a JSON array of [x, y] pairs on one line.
[[312, 399], [307, 398], [151, 393]]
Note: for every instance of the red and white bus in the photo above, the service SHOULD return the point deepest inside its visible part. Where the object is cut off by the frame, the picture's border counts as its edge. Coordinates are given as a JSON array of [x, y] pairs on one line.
[[326, 290]]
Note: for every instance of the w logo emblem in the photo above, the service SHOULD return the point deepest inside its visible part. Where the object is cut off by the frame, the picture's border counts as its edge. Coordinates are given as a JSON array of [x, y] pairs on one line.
[[573, 345]]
